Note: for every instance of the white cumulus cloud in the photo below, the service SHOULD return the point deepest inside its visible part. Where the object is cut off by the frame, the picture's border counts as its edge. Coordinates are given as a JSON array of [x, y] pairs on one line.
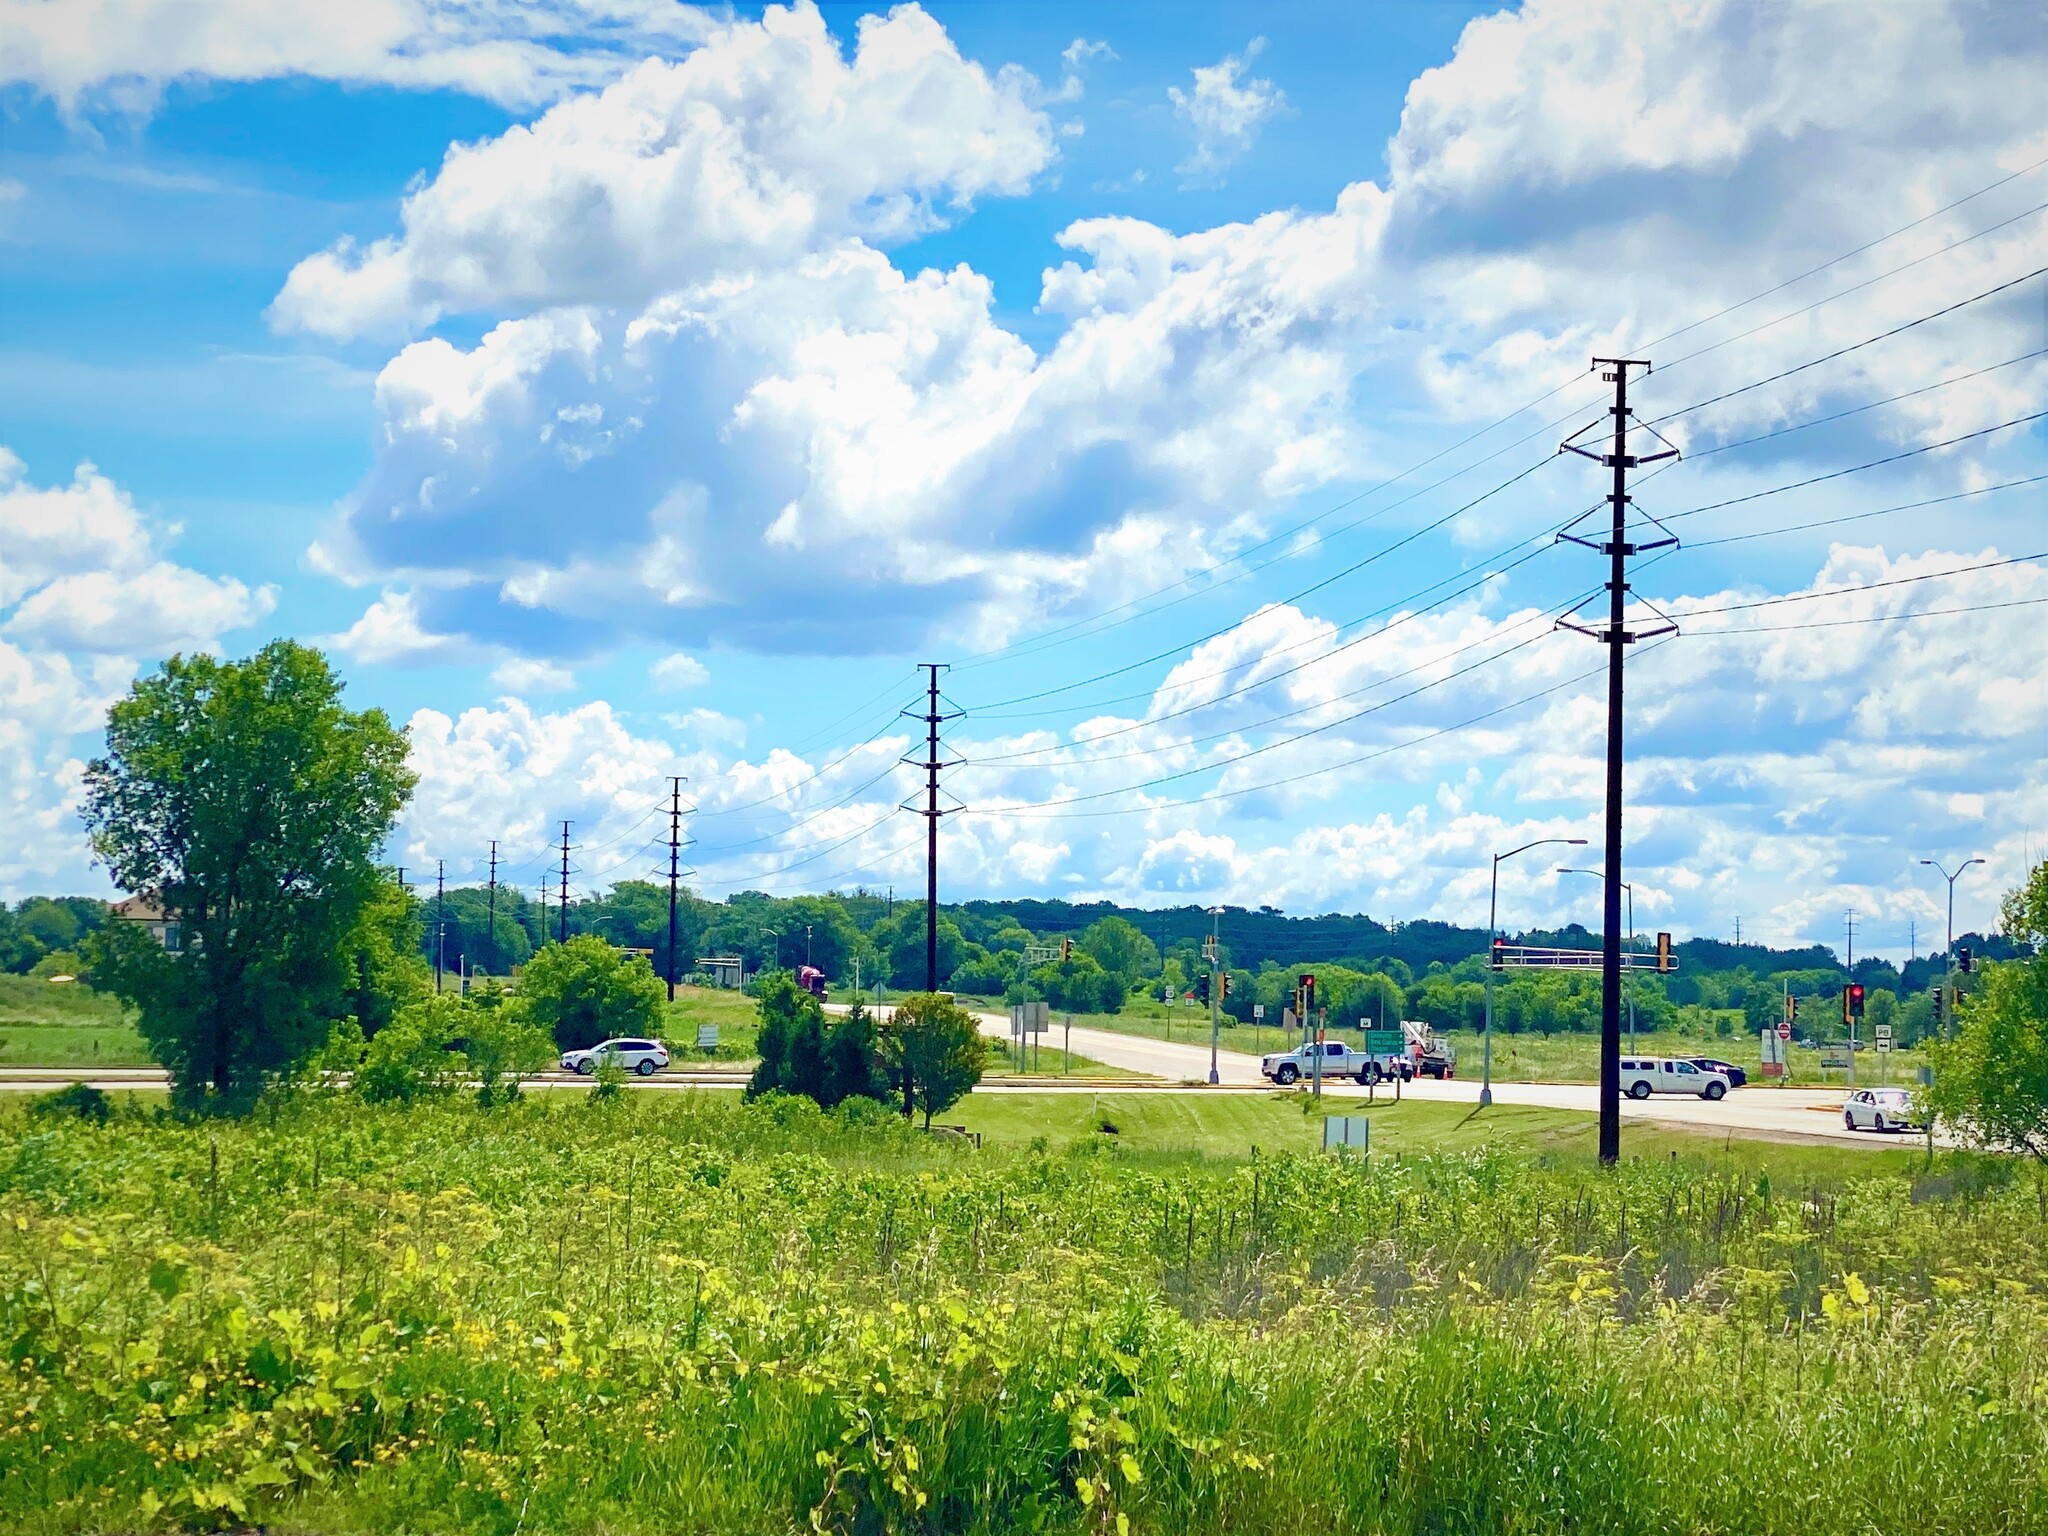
[[765, 143], [87, 599], [519, 53], [1225, 109]]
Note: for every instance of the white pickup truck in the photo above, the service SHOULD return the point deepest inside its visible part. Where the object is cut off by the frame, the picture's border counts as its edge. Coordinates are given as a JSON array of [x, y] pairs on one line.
[[1338, 1060]]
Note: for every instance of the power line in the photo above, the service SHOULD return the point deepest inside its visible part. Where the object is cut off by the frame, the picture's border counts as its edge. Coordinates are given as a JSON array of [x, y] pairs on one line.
[[1048, 809], [822, 811], [1857, 517], [1855, 469], [1440, 521], [1316, 586], [1857, 410], [1056, 806], [1867, 586], [1872, 618], [815, 774], [1843, 293], [1840, 352], [1050, 638], [1380, 682], [1834, 261]]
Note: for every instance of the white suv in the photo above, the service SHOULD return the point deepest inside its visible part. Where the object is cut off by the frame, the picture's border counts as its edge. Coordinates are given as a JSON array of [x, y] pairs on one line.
[[645, 1057], [1642, 1076]]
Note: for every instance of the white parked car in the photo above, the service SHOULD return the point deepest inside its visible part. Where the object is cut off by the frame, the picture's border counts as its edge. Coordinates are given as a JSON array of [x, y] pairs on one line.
[[645, 1057], [1879, 1109], [1642, 1076]]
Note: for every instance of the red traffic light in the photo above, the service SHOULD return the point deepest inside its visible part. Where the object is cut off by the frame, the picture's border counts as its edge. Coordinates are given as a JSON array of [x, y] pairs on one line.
[[1854, 998]]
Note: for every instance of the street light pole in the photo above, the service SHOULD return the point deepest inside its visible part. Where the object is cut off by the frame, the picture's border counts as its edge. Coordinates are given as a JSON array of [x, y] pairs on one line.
[[1493, 932], [1948, 1010], [1628, 975]]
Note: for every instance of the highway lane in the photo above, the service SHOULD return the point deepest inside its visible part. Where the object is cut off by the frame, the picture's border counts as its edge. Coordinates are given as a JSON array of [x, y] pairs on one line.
[[1810, 1114], [1805, 1114]]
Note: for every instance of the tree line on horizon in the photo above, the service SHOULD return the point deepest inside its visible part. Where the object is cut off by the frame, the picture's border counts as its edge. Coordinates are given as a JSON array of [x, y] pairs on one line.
[[252, 803]]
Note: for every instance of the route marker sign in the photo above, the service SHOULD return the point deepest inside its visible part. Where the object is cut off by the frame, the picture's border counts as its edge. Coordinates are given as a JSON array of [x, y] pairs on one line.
[[1884, 1037]]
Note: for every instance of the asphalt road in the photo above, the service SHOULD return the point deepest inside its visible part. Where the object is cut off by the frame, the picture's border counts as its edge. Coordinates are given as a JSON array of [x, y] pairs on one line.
[[1806, 1114], [1803, 1114]]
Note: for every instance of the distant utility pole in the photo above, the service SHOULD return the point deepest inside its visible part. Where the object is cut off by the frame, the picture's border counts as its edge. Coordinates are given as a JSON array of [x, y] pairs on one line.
[[933, 718], [491, 920], [1738, 933], [1617, 637], [1849, 922], [562, 923], [440, 922], [1912, 940], [675, 848]]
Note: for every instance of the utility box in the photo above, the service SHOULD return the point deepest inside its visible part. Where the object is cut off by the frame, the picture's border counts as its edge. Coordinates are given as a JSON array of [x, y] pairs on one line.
[[1349, 1132]]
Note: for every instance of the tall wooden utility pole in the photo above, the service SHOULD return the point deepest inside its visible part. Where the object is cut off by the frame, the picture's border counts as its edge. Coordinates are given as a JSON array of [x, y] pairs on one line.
[[1617, 637]]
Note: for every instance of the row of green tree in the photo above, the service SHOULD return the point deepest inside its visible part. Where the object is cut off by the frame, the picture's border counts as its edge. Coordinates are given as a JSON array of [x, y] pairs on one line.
[[248, 799], [927, 1052], [985, 950]]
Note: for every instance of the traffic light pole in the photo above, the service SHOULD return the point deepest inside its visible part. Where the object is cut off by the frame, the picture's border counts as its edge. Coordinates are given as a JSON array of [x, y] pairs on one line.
[[1617, 637], [1215, 995]]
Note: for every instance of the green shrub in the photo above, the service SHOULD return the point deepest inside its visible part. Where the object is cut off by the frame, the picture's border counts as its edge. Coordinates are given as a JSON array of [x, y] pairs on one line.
[[78, 1101], [587, 991]]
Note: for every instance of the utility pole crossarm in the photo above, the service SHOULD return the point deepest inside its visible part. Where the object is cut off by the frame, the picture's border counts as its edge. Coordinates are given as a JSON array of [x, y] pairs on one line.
[[933, 813]]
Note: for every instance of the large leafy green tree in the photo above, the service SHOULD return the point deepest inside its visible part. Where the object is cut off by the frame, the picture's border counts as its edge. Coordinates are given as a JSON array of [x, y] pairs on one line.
[[587, 991], [1120, 947], [900, 941], [853, 1059], [387, 973], [934, 1052], [1991, 1080], [1079, 984], [251, 802]]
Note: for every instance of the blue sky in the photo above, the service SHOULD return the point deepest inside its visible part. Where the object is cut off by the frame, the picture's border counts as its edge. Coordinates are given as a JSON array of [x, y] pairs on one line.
[[620, 389]]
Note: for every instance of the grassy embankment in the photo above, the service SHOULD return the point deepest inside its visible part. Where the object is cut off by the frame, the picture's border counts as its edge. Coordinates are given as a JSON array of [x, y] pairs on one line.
[[64, 1024], [678, 1312]]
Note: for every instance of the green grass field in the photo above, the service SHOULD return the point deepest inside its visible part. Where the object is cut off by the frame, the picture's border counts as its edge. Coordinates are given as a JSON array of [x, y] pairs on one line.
[[64, 1024], [678, 1312]]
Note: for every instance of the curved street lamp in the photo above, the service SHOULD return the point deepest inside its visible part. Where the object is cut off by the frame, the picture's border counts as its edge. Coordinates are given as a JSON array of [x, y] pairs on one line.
[[1630, 983], [1949, 1002], [1492, 933]]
